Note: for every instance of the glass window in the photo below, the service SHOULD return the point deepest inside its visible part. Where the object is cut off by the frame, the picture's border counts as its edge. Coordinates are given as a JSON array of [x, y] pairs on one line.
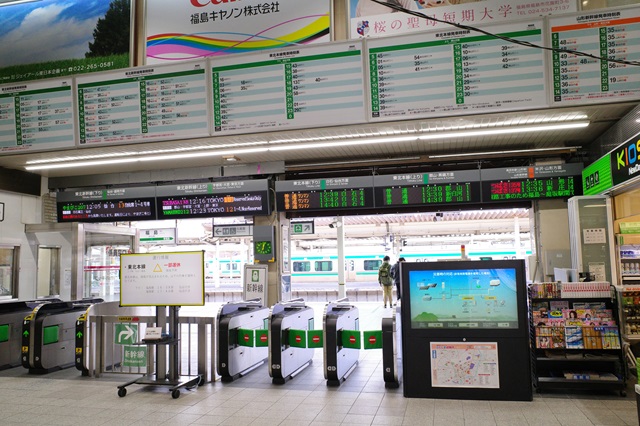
[[8, 271], [324, 265], [301, 266], [372, 265]]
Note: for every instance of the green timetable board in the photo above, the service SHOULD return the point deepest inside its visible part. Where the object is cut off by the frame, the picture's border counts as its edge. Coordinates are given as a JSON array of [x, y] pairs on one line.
[[531, 183], [416, 189], [456, 71], [305, 86], [36, 116], [325, 194], [143, 104], [612, 34]]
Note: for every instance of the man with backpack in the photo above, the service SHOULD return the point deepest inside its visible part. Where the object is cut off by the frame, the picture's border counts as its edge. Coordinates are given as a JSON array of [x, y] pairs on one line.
[[385, 281], [395, 275]]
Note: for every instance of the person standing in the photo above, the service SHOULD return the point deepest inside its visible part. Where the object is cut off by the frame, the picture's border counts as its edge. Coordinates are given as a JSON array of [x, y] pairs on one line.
[[395, 275], [385, 281]]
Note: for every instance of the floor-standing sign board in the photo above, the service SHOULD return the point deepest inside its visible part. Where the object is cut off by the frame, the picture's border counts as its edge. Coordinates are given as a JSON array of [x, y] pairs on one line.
[[255, 282]]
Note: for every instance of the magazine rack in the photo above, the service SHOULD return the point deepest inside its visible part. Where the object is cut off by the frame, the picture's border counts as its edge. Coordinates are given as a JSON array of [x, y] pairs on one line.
[[576, 353]]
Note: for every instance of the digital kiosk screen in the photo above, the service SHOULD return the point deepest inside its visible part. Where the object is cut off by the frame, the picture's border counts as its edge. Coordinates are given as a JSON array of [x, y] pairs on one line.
[[472, 298]]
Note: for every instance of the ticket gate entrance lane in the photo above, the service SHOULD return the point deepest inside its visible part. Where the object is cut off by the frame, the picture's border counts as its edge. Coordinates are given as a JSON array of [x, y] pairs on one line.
[[286, 361], [12, 315], [392, 348], [48, 335], [339, 361], [235, 360]]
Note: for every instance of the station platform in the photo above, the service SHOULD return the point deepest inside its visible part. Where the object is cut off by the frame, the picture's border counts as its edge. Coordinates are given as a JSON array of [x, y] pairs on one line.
[[66, 398]]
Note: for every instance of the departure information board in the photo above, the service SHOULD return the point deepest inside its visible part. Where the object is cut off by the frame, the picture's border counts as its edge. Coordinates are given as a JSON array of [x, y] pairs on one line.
[[421, 189], [610, 34], [106, 205], [307, 86], [456, 71], [346, 193], [164, 102], [214, 199], [36, 116], [531, 183]]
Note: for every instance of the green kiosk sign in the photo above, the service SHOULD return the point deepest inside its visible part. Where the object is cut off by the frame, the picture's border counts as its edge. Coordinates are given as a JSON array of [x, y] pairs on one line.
[[597, 177]]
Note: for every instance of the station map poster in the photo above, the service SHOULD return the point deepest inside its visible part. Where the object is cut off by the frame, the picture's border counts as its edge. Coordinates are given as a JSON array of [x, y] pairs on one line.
[[345, 193], [37, 116], [608, 34], [305, 86], [214, 199], [447, 72], [143, 104], [465, 365], [106, 205], [179, 30], [57, 38], [420, 189], [369, 19], [162, 279]]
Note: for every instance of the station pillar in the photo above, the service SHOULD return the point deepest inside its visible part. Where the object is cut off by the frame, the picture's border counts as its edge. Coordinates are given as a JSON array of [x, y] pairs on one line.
[[342, 288], [278, 270]]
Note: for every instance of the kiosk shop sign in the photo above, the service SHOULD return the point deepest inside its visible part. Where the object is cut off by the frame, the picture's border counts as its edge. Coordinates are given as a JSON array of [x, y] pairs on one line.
[[624, 161]]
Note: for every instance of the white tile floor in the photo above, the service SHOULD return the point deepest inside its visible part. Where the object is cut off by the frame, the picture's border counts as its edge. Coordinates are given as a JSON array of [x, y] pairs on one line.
[[67, 398]]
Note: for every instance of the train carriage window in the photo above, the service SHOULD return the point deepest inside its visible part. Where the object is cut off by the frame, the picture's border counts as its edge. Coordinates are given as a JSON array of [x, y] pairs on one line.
[[324, 265], [301, 266], [372, 265]]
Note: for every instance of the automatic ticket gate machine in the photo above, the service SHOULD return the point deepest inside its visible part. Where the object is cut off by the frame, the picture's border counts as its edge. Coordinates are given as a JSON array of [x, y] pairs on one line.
[[48, 335], [12, 315], [285, 360], [339, 361], [234, 359], [392, 349]]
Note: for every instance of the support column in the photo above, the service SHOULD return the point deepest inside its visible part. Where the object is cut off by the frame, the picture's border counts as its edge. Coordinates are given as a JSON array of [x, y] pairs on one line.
[[342, 288], [274, 269]]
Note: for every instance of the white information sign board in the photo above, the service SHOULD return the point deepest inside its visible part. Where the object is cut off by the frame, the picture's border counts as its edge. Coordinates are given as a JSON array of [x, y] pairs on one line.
[[607, 34], [456, 72], [308, 86], [255, 282], [162, 279], [465, 365], [36, 116], [142, 104]]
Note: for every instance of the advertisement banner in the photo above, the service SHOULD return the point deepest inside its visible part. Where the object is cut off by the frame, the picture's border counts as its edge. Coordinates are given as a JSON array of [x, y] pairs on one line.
[[194, 29], [370, 19], [55, 38]]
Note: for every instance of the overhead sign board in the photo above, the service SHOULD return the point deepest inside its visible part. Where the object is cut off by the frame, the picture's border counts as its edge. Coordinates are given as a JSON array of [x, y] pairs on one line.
[[302, 228], [106, 205], [158, 236], [344, 193], [233, 231]]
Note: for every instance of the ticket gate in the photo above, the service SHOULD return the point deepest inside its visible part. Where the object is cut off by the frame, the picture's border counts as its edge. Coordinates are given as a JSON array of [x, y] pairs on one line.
[[12, 315], [286, 361], [48, 335], [392, 349], [234, 359], [339, 361]]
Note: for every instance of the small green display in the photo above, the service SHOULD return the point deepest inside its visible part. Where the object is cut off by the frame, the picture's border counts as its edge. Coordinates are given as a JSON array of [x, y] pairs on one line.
[[50, 334], [263, 247], [4, 333]]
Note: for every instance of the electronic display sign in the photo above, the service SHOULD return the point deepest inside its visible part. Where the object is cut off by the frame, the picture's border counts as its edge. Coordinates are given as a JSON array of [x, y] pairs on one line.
[[107, 205], [325, 194], [420, 189], [214, 199], [531, 183]]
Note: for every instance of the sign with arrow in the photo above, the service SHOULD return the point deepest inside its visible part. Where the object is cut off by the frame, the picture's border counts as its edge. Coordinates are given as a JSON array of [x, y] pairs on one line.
[[125, 334], [233, 231], [302, 228]]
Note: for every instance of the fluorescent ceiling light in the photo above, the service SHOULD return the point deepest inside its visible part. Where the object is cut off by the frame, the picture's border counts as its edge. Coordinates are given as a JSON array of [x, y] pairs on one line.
[[13, 2], [504, 131], [517, 151]]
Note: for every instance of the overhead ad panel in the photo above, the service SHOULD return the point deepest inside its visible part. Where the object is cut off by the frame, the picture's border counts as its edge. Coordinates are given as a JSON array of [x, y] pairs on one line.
[[421, 189], [610, 34], [325, 194], [306, 86], [214, 199], [36, 116], [456, 72], [143, 104], [107, 205]]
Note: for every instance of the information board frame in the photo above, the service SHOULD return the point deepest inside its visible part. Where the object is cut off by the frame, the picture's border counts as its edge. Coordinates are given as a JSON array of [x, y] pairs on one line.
[[139, 273], [107, 196], [310, 187]]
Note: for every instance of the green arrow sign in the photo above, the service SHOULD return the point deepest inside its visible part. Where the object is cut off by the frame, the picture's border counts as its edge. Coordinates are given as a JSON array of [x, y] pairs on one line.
[[79, 335], [125, 334], [26, 333]]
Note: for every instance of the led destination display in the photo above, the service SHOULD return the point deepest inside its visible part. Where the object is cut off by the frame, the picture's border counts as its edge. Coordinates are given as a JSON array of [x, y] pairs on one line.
[[325, 194], [107, 205], [207, 199]]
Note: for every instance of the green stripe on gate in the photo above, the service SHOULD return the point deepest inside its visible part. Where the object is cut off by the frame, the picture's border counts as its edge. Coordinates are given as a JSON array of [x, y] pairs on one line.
[[245, 337], [372, 339], [298, 338], [315, 339], [351, 339]]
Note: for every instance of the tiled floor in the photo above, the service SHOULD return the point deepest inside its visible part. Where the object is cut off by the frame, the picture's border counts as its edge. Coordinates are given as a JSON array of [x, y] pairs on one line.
[[66, 398]]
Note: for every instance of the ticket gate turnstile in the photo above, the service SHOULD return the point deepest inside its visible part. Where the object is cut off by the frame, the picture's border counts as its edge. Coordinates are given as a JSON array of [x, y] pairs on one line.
[[392, 349], [286, 361], [339, 361], [48, 335], [235, 360], [12, 315]]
